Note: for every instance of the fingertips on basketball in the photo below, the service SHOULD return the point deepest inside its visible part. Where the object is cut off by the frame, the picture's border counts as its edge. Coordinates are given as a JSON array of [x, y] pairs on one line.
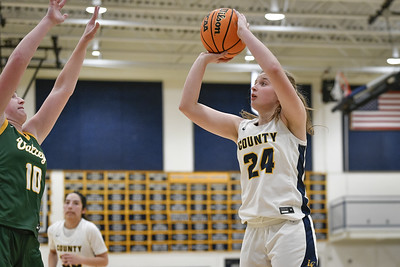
[[218, 32]]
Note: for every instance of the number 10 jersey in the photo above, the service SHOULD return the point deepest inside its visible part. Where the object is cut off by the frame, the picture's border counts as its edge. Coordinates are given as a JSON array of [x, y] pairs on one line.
[[22, 178]]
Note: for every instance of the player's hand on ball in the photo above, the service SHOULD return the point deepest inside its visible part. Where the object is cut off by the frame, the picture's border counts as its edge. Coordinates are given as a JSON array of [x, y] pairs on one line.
[[215, 57], [242, 23]]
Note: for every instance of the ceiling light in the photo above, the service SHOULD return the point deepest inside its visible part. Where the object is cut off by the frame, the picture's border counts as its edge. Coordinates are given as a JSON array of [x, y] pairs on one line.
[[394, 60], [274, 13], [249, 56], [274, 16], [90, 9], [96, 53], [96, 48]]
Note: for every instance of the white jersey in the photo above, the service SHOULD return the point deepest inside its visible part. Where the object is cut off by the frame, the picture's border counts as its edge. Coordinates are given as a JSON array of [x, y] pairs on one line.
[[86, 239], [272, 165]]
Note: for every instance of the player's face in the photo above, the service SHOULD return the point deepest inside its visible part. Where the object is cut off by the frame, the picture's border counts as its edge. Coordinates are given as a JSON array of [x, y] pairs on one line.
[[15, 109], [263, 95], [73, 206]]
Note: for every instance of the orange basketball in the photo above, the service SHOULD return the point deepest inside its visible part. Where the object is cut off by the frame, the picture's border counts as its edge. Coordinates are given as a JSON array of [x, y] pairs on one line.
[[219, 32]]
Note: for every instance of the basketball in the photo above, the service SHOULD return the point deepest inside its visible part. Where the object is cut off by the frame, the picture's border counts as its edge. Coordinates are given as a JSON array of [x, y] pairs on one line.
[[218, 32]]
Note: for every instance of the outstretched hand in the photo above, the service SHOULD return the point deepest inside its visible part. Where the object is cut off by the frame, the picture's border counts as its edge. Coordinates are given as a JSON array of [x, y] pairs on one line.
[[92, 26], [215, 57], [54, 11]]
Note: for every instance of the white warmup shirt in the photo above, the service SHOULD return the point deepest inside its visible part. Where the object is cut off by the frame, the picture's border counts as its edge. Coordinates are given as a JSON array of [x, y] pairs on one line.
[[85, 239]]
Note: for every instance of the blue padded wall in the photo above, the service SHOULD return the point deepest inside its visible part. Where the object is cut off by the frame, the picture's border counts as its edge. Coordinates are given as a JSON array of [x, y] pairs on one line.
[[214, 153], [106, 125], [374, 150]]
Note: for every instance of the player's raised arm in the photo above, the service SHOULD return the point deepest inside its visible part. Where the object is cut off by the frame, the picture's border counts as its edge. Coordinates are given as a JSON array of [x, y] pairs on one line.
[[293, 111], [23, 53], [43, 121], [216, 122]]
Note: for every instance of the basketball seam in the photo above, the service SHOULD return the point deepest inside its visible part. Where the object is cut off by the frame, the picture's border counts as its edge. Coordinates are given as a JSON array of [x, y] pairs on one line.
[[226, 32], [212, 36], [202, 37], [234, 45]]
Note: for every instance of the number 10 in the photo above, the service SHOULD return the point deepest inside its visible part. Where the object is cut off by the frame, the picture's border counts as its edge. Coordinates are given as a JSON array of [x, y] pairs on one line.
[[33, 178]]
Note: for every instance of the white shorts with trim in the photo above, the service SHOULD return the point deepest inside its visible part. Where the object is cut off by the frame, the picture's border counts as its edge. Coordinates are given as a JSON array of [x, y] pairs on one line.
[[279, 243]]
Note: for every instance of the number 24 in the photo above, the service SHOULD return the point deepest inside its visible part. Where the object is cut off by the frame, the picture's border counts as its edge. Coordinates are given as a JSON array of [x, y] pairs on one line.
[[267, 162]]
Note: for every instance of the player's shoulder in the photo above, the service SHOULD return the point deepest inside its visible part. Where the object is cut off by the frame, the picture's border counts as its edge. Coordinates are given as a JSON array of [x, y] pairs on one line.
[[55, 226], [244, 122], [3, 123], [58, 223], [89, 228], [88, 224]]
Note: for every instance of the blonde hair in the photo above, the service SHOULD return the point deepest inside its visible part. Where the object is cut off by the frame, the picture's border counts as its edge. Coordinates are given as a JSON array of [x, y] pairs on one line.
[[277, 113]]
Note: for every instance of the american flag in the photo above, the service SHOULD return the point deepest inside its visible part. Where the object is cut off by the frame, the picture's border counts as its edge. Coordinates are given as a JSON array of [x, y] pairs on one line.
[[380, 114]]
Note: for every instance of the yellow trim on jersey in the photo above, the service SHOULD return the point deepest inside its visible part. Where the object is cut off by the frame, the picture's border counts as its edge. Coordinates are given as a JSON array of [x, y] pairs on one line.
[[25, 134], [4, 126], [28, 134]]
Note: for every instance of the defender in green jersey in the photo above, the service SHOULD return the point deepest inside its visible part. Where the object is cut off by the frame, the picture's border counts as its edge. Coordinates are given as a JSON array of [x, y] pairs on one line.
[[22, 170], [22, 161]]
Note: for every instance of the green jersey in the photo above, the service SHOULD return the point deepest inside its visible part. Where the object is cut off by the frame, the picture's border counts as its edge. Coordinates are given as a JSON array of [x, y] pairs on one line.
[[22, 178]]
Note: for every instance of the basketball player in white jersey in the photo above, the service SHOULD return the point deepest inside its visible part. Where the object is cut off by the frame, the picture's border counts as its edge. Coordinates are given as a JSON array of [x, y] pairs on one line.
[[74, 240], [271, 154]]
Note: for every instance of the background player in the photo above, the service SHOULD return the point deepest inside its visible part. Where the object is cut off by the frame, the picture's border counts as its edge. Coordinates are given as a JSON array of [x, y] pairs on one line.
[[75, 232], [22, 161], [271, 154]]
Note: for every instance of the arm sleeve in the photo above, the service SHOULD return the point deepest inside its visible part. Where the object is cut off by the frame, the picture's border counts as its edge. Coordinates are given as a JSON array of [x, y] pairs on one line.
[[96, 240], [50, 233]]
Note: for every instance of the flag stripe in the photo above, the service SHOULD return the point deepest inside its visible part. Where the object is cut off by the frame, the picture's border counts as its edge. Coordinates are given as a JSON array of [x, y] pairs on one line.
[[384, 115]]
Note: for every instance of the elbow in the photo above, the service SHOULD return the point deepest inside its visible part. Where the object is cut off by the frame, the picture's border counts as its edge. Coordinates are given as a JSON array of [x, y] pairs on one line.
[[271, 67], [183, 108], [106, 260], [275, 68], [187, 109]]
